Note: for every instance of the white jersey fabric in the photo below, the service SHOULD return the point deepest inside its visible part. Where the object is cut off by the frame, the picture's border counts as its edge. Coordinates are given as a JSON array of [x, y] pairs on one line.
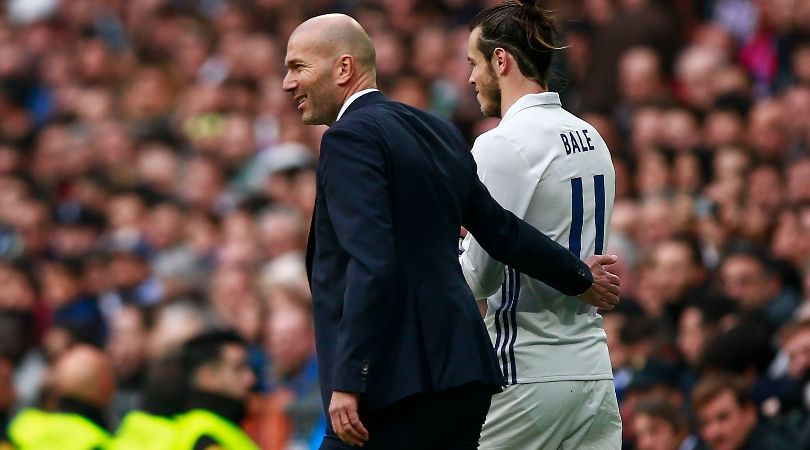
[[553, 170]]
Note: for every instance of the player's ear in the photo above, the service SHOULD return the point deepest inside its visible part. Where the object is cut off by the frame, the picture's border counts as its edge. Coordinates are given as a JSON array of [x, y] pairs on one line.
[[344, 68], [500, 60]]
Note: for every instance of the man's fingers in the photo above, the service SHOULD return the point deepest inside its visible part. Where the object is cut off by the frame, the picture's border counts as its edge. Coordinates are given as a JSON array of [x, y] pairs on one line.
[[354, 418], [612, 298], [353, 435], [613, 279], [337, 424], [605, 260], [356, 433], [348, 427]]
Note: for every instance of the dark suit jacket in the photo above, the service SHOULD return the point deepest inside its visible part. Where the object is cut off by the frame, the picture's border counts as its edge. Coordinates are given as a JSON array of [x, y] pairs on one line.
[[393, 313]]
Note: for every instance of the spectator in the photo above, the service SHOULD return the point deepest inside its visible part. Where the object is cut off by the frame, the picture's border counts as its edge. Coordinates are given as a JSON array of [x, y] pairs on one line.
[[727, 417], [6, 397], [749, 278], [659, 425], [84, 384], [293, 375], [701, 321], [219, 380], [153, 424], [127, 349], [794, 341]]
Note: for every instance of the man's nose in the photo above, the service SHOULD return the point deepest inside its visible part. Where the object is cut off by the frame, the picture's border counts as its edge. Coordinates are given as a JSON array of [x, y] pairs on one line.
[[288, 84]]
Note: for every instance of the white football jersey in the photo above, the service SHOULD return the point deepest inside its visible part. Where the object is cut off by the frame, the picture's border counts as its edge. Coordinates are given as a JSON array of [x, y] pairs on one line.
[[554, 171]]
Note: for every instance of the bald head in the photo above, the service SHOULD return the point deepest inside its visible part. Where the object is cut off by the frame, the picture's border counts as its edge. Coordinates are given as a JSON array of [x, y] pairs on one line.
[[328, 59], [333, 35], [85, 373]]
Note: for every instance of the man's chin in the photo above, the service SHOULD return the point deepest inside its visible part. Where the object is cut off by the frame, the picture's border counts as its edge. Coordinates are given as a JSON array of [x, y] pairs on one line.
[[309, 120], [490, 112]]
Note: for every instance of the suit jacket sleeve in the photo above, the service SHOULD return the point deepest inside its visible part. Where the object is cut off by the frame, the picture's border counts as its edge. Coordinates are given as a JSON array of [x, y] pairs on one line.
[[514, 242], [509, 179], [355, 186]]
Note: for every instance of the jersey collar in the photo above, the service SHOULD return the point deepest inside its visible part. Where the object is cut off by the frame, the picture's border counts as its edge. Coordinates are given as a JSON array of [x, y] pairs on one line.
[[529, 100]]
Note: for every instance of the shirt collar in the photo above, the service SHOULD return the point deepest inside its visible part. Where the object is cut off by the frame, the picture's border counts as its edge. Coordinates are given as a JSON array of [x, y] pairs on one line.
[[352, 98], [529, 100]]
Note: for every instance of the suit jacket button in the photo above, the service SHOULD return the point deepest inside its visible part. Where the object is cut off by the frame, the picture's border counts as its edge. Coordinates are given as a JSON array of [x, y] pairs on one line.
[[364, 367]]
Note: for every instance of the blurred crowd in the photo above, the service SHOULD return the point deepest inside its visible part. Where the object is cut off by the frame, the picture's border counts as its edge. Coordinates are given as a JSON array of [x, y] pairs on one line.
[[156, 182]]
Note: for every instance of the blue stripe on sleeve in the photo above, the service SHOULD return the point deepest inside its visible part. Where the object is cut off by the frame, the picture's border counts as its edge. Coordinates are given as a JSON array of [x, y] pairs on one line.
[[575, 236], [599, 190], [515, 294], [506, 325], [498, 316]]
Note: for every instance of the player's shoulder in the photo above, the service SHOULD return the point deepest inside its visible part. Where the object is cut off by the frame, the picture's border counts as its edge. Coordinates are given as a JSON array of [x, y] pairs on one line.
[[496, 150]]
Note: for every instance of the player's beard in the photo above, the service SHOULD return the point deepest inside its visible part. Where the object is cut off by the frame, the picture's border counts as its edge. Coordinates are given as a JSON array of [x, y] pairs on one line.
[[490, 93]]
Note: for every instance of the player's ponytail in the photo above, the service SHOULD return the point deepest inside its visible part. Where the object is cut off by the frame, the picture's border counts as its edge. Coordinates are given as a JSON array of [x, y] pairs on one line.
[[525, 29]]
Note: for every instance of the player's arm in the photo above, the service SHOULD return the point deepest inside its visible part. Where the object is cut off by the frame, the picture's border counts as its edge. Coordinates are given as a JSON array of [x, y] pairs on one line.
[[510, 181], [514, 242]]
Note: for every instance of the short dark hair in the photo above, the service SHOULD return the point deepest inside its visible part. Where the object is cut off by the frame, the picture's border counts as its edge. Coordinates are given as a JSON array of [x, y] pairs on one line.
[[744, 346], [523, 28], [166, 387], [661, 409], [206, 348], [713, 385]]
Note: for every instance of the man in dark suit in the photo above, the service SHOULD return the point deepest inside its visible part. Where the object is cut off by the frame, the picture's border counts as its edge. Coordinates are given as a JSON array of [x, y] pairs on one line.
[[404, 358]]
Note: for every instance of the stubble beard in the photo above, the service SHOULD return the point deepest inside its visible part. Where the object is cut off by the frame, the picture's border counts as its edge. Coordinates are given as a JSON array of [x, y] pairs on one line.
[[323, 110], [491, 96]]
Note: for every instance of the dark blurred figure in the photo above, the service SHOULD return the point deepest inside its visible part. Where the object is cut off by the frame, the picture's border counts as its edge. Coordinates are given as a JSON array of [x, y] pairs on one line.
[[745, 351], [749, 277], [659, 425], [794, 405], [219, 379], [76, 231], [727, 417], [75, 314], [127, 347], [84, 384], [701, 320], [132, 279], [153, 425], [635, 23], [7, 397], [292, 380]]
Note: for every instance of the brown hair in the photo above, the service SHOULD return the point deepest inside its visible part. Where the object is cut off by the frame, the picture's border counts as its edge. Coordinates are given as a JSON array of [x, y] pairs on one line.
[[713, 385], [523, 28], [661, 409], [792, 329]]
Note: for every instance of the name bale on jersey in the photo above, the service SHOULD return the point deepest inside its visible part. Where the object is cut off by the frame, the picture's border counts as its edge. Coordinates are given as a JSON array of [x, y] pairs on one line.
[[574, 142]]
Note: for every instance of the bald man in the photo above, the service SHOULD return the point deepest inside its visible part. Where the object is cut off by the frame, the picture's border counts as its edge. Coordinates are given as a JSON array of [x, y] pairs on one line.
[[84, 382], [405, 361]]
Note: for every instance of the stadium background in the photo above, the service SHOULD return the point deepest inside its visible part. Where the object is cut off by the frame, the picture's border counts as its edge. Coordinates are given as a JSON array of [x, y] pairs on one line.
[[156, 181]]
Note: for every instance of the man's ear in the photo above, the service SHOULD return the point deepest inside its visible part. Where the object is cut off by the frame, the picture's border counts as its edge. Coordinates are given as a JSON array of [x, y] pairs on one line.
[[500, 61], [344, 69], [205, 377]]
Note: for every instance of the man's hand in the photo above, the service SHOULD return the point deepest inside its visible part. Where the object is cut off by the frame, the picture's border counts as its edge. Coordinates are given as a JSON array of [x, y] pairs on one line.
[[604, 292], [345, 420]]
